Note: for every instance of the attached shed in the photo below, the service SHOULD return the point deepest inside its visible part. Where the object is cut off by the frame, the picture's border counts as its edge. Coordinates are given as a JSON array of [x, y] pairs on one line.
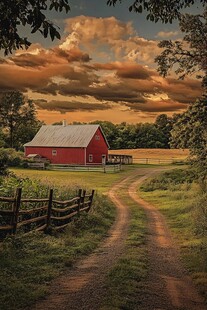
[[70, 144]]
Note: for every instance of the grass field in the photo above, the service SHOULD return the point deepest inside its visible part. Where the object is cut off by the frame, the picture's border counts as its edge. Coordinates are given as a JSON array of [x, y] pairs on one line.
[[99, 181], [169, 155]]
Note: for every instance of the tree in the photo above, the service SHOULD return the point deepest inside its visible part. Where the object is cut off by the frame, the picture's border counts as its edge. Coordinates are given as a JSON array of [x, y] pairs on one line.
[[164, 124], [14, 13], [159, 10], [17, 115], [190, 131], [189, 56]]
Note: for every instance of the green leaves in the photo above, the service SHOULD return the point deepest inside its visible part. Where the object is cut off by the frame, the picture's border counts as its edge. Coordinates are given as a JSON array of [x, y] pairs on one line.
[[190, 131], [159, 10], [17, 118], [27, 12]]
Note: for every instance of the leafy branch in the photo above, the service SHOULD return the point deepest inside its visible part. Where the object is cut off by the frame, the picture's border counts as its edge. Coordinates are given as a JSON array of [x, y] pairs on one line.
[[14, 13]]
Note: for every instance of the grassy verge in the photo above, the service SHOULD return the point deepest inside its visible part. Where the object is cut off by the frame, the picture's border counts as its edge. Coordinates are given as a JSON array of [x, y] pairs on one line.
[[185, 210], [124, 282], [29, 262], [99, 181]]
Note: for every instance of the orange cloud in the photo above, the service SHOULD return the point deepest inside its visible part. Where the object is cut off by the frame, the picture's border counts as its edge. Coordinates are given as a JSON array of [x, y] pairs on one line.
[[102, 61]]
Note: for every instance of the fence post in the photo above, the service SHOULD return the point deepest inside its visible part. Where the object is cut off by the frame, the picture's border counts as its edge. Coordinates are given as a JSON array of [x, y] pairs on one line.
[[91, 198], [49, 209], [83, 199], [79, 200], [16, 207]]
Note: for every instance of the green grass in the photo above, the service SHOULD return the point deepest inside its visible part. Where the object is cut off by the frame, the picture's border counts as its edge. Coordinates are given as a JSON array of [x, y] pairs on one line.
[[29, 262], [99, 181], [124, 281], [178, 205]]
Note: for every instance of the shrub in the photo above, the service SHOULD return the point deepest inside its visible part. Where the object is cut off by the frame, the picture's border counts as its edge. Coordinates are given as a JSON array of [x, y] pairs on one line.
[[200, 215], [4, 158], [168, 180]]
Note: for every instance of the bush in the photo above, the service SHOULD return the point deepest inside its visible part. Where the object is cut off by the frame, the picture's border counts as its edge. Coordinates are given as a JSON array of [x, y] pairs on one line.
[[4, 158], [168, 180], [9, 157], [200, 215]]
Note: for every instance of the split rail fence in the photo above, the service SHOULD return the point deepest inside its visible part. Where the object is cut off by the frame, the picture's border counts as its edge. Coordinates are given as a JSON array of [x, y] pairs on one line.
[[46, 213]]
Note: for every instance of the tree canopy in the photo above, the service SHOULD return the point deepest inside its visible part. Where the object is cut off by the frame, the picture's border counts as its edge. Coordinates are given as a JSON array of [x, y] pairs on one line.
[[159, 10], [188, 56], [190, 131], [14, 13], [18, 120]]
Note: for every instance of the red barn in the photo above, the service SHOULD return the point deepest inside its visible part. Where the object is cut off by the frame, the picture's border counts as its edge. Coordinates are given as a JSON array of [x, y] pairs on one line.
[[70, 144]]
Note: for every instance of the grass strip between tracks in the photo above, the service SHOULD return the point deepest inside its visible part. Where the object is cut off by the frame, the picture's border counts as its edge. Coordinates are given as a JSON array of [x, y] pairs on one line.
[[125, 280]]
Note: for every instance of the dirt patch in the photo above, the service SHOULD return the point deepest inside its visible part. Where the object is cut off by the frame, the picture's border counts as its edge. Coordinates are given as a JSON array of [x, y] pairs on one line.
[[168, 286]]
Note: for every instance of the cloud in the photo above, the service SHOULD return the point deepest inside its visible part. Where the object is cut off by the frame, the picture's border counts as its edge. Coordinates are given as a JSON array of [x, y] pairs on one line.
[[87, 29], [127, 70], [167, 34], [102, 61], [161, 106], [70, 106]]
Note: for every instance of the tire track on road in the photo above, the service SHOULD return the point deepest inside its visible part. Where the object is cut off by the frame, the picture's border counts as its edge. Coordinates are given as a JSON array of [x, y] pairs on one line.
[[168, 286], [83, 286]]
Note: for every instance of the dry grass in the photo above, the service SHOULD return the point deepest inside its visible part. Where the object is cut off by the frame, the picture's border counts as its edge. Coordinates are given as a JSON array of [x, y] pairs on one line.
[[153, 154]]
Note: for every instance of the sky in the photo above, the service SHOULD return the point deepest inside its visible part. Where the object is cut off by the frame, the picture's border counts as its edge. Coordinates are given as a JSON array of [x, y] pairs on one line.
[[102, 68]]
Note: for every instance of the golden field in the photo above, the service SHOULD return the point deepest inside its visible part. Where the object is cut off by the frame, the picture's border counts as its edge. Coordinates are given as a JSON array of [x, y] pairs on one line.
[[153, 155]]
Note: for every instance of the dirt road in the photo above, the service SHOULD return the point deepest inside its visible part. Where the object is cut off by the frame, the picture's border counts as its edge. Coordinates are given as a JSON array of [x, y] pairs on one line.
[[168, 287]]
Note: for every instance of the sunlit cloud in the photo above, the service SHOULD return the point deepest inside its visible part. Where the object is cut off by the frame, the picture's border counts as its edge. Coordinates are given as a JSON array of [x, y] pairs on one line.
[[100, 64]]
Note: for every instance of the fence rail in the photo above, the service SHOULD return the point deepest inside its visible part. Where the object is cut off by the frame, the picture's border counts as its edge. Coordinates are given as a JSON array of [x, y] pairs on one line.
[[97, 168], [158, 160], [53, 212]]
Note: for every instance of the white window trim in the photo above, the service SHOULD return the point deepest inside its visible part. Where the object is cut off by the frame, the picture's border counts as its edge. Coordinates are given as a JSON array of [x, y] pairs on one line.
[[90, 158], [54, 152]]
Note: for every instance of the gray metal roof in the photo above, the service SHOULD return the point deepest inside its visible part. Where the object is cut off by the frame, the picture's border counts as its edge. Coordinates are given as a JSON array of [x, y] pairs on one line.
[[64, 136]]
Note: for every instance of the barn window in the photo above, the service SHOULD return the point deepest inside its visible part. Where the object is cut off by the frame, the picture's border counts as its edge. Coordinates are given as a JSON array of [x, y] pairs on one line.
[[90, 158], [54, 152], [97, 137]]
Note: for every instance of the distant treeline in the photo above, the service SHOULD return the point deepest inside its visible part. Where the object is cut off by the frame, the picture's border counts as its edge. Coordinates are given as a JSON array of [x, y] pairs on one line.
[[19, 124], [140, 135]]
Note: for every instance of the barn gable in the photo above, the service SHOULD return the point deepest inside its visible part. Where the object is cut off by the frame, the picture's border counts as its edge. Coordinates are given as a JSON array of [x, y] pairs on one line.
[[65, 136]]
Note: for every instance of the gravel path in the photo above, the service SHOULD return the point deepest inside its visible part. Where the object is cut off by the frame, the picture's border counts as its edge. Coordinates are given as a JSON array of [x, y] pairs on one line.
[[168, 286]]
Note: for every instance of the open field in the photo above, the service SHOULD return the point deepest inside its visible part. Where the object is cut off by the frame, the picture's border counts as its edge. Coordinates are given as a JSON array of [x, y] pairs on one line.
[[99, 181], [153, 155]]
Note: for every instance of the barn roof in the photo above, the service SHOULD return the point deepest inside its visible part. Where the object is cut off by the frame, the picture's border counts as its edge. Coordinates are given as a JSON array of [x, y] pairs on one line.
[[64, 136]]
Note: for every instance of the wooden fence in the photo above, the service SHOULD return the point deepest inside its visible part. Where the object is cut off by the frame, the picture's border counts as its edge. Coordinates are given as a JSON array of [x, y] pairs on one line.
[[91, 168], [47, 212], [158, 161]]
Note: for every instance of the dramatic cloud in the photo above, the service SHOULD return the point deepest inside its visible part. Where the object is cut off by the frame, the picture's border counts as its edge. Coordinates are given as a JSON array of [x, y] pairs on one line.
[[70, 106], [100, 63]]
